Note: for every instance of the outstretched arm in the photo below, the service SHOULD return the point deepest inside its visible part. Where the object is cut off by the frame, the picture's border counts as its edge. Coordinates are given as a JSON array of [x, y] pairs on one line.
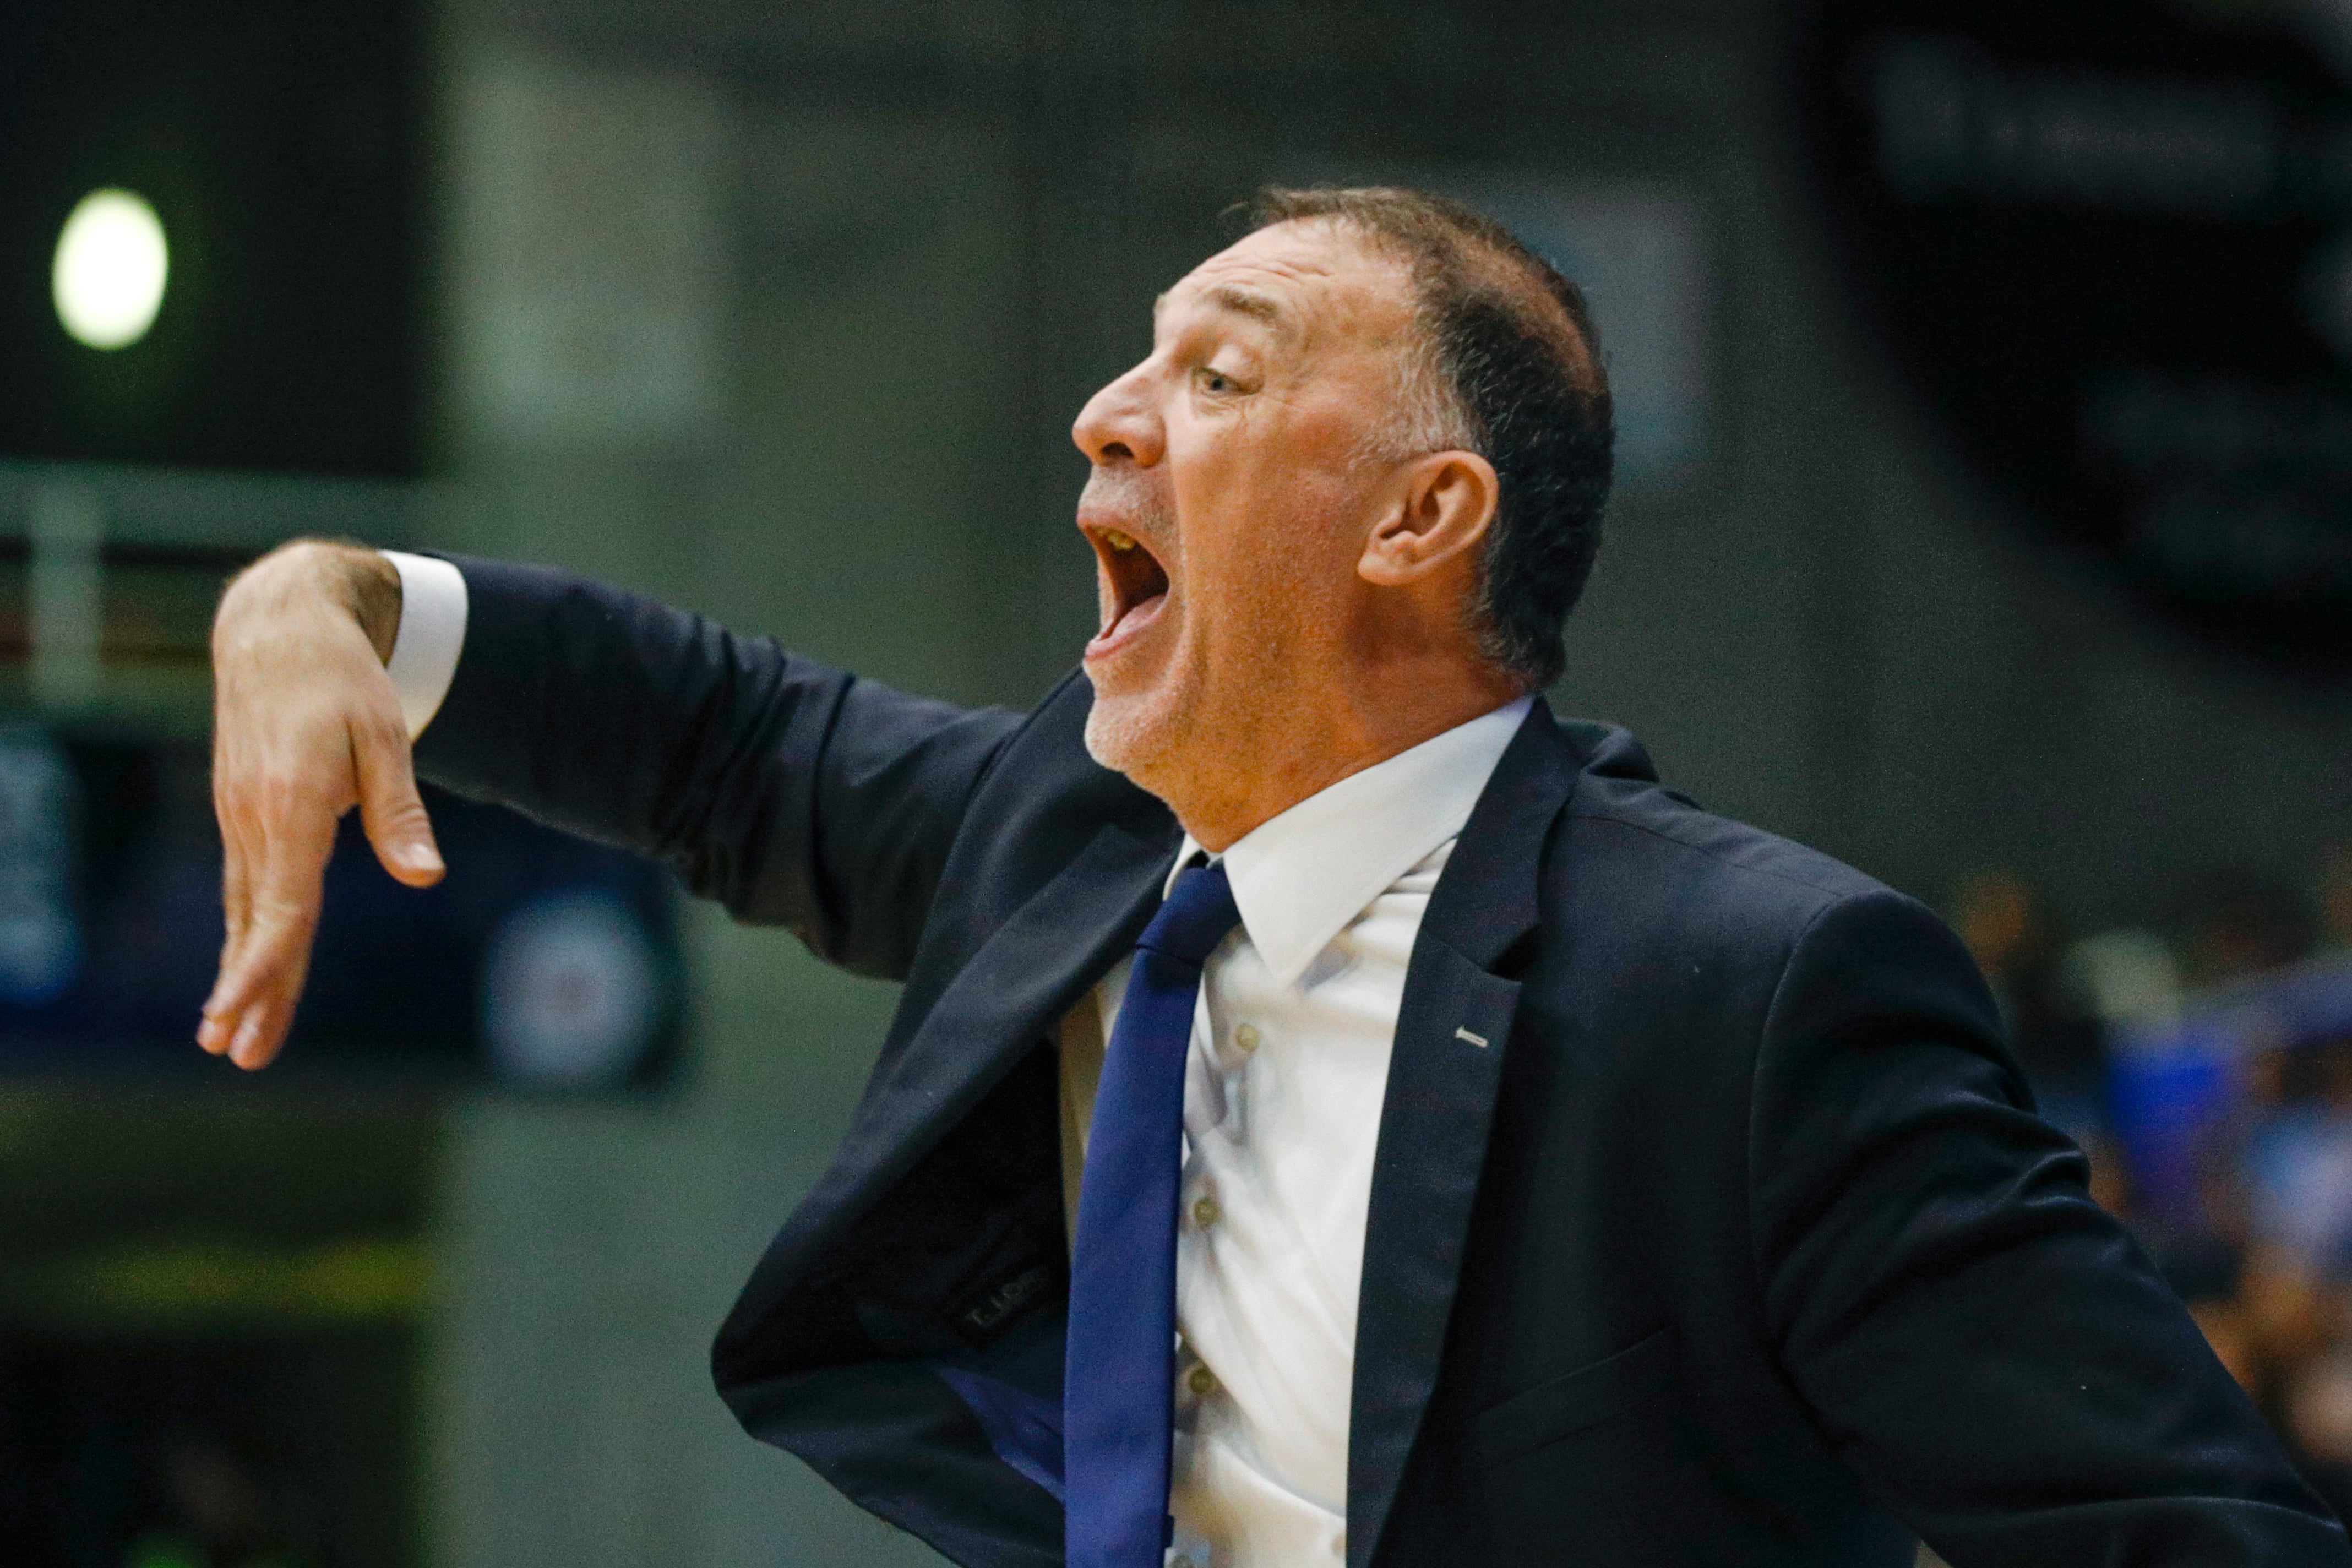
[[795, 793]]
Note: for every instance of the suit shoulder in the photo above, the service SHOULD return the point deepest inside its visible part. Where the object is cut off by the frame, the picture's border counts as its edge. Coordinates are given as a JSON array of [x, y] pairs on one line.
[[1650, 885], [1656, 837]]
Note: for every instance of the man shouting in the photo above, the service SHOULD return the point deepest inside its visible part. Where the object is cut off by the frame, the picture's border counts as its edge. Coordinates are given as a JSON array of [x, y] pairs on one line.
[[1338, 1111]]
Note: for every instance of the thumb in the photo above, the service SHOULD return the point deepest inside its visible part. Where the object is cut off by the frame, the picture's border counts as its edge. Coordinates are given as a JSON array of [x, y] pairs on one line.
[[390, 809]]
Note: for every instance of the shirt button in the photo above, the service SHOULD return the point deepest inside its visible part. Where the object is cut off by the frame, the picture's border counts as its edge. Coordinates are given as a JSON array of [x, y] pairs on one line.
[[1247, 1037], [1202, 1379], [1205, 1212]]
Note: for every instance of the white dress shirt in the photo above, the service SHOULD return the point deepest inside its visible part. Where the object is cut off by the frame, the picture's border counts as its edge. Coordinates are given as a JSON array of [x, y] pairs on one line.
[[1283, 1092], [1282, 1113], [432, 634]]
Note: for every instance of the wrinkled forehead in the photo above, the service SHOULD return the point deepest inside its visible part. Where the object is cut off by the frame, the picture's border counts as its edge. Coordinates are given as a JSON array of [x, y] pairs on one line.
[[1307, 283]]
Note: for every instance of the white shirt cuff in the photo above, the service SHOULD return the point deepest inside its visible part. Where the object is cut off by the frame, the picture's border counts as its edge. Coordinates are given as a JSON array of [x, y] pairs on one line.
[[432, 634]]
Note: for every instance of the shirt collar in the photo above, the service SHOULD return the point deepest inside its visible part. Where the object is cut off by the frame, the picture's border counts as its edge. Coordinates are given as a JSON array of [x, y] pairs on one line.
[[1300, 878]]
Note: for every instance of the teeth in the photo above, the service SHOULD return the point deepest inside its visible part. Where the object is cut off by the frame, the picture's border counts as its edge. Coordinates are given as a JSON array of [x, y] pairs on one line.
[[1117, 540]]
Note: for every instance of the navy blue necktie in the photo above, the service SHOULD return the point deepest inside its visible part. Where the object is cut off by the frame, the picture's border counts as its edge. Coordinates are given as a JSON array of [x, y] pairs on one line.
[[1120, 1387]]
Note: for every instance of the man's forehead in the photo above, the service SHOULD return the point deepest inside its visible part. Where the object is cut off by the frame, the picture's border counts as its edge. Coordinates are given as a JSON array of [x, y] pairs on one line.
[[1279, 274]]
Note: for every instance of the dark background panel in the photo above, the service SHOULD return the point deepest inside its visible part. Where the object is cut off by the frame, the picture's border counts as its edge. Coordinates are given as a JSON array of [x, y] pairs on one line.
[[280, 144]]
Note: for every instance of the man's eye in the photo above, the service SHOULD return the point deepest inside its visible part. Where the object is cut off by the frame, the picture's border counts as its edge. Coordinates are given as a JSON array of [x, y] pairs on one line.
[[1215, 381]]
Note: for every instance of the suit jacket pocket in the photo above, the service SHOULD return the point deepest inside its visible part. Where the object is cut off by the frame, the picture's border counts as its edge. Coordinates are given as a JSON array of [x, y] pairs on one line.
[[1575, 1400]]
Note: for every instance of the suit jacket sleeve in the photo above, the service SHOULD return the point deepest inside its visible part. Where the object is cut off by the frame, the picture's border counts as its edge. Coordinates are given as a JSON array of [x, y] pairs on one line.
[[1987, 1346], [794, 794]]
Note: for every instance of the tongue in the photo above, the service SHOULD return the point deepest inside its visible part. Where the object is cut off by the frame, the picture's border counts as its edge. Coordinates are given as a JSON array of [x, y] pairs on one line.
[[1131, 618], [1135, 609]]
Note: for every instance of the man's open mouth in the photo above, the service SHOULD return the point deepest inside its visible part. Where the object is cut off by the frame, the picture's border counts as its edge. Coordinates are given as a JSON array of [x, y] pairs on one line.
[[1138, 587]]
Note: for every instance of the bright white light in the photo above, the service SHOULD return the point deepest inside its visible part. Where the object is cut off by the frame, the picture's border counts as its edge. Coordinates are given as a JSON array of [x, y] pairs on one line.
[[111, 263]]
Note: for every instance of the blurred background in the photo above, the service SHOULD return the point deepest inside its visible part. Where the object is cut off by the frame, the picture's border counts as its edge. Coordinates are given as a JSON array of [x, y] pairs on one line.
[[1985, 379]]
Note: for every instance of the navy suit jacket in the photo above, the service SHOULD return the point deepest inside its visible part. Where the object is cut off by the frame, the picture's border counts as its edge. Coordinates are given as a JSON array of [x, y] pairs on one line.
[[1710, 1223]]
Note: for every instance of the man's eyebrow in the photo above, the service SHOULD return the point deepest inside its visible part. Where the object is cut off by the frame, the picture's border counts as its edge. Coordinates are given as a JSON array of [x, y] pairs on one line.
[[1241, 301], [1248, 303]]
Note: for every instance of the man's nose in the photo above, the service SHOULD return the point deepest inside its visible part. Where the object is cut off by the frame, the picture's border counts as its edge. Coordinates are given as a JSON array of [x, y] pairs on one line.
[[1118, 424]]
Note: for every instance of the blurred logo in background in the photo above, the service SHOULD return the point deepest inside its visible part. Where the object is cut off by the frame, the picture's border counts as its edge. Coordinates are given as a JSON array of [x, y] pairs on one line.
[[2110, 246], [570, 991]]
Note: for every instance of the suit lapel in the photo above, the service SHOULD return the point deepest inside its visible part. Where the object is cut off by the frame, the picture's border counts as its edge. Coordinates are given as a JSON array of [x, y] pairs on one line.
[[1453, 1028], [1024, 974], [1029, 972]]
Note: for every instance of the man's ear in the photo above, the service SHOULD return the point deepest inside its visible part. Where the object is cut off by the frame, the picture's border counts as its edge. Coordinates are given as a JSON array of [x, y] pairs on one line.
[[1438, 511]]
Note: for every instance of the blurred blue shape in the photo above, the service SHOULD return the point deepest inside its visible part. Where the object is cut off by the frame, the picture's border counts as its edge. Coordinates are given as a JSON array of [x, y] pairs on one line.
[[543, 960], [2176, 1098], [2178, 1093], [40, 939]]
